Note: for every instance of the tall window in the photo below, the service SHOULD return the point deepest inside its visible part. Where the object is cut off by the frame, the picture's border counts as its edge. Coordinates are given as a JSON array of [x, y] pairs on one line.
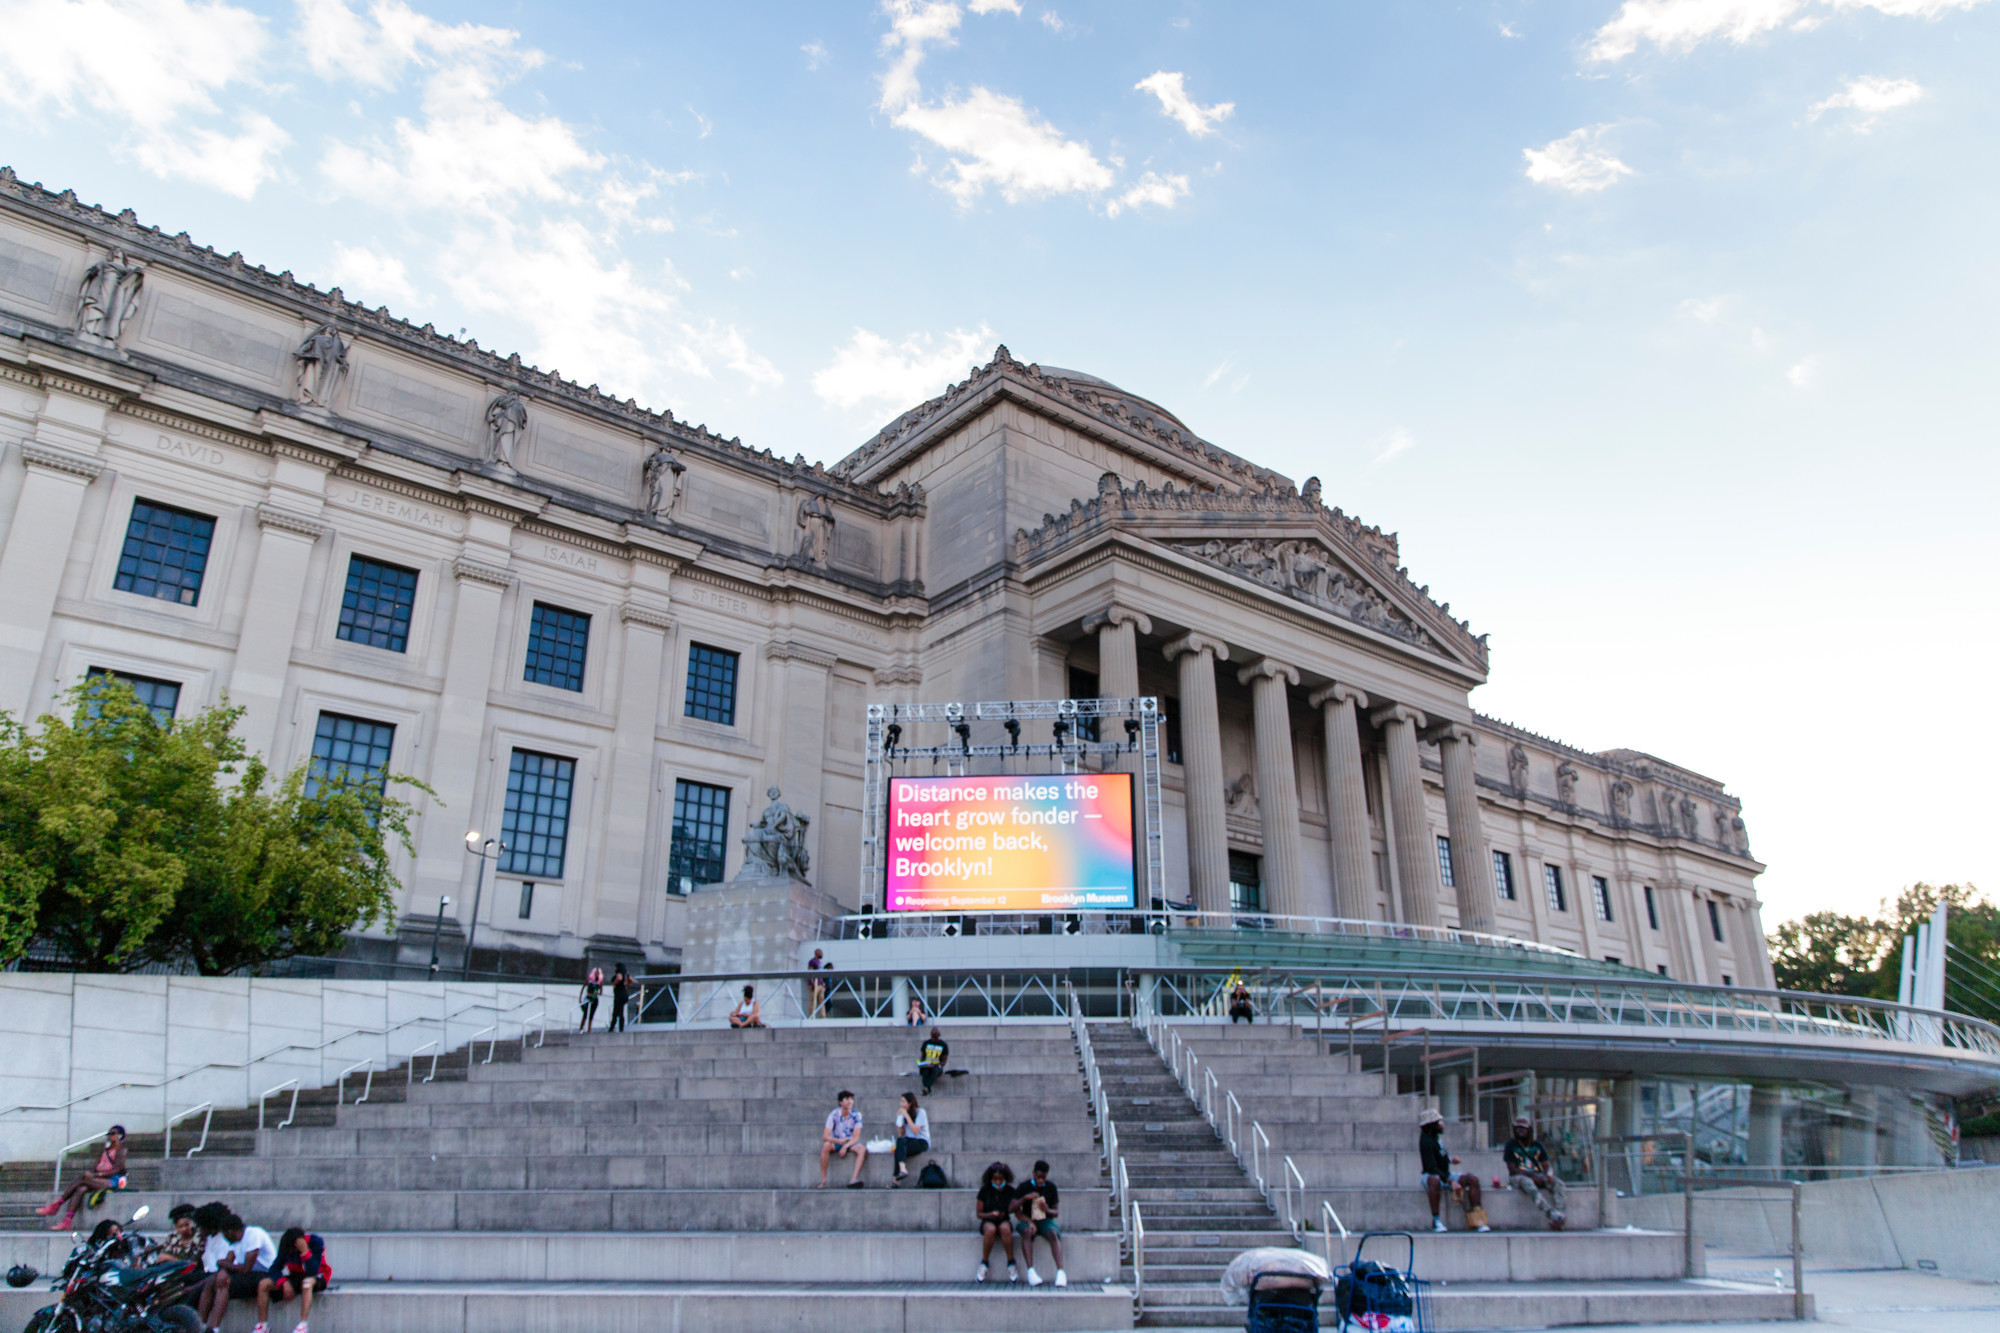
[[536, 824], [1083, 685], [701, 832], [1170, 729], [1503, 875], [375, 609], [1652, 911], [1444, 861], [1714, 921], [711, 685], [352, 749], [557, 641], [161, 696], [1246, 882], [1600, 894], [1552, 880], [165, 553]]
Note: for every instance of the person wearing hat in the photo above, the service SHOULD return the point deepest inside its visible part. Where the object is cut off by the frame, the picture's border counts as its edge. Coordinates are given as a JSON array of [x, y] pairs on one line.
[[1529, 1171], [1438, 1175]]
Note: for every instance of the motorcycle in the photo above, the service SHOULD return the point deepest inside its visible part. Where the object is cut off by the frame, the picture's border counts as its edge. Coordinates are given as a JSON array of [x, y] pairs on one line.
[[107, 1287]]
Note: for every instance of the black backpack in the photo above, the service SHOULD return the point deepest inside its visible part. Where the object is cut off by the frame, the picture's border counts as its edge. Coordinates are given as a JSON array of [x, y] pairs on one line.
[[932, 1177]]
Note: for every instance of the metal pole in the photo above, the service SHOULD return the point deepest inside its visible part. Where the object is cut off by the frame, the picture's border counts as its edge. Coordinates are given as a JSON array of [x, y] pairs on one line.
[[436, 930], [1603, 1168], [1687, 1191], [1798, 1254], [472, 931]]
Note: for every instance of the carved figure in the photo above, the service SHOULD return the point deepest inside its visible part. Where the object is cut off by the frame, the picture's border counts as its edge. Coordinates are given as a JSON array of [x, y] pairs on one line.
[[1621, 801], [1690, 817], [815, 529], [506, 418], [1241, 793], [109, 295], [665, 475], [1310, 494], [1740, 841], [1722, 827], [775, 846], [1517, 769], [322, 360], [1566, 776]]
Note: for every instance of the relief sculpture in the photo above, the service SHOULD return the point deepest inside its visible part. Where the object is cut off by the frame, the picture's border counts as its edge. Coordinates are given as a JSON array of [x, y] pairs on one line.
[[1301, 569]]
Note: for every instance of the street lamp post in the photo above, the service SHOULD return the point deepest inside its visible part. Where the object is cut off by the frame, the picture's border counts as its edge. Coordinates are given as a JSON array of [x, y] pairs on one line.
[[484, 851], [444, 901]]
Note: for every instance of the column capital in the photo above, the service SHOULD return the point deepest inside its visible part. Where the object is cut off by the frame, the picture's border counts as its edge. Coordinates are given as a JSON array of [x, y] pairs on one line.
[[299, 525], [1337, 693], [1268, 668], [61, 460], [1398, 713], [1115, 615], [1193, 642], [473, 571], [632, 613], [1450, 731]]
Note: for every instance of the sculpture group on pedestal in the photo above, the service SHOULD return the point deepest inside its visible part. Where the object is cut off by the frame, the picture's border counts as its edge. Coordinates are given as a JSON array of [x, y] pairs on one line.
[[775, 846]]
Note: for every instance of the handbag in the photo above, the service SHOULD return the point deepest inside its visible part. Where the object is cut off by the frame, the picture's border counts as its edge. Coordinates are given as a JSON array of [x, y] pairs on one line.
[[881, 1145]]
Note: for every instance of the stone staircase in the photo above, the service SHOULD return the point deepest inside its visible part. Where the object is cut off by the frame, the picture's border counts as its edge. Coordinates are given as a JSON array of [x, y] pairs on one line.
[[655, 1178]]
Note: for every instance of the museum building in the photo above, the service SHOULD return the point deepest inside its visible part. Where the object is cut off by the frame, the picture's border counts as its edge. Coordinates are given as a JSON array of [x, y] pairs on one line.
[[600, 634]]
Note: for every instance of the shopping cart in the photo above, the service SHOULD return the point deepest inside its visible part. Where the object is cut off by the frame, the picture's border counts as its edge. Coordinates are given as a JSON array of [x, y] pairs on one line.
[[1371, 1297], [1282, 1288]]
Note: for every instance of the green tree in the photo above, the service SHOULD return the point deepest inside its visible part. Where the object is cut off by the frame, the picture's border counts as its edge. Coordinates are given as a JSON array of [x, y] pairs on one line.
[[125, 841], [1828, 953], [1836, 954]]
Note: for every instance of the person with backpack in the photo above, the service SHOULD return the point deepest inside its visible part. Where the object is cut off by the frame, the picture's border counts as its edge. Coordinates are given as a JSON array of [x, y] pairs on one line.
[[930, 1059], [994, 1205], [1438, 1175], [301, 1270], [913, 1134], [1036, 1204]]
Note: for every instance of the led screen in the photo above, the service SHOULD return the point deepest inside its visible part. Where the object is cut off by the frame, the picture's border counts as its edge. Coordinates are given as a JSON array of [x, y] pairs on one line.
[[1054, 842]]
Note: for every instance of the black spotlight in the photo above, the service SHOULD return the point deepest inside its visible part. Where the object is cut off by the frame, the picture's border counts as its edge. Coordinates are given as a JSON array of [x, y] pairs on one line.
[[1062, 730], [1013, 726], [895, 734], [963, 730], [1131, 733]]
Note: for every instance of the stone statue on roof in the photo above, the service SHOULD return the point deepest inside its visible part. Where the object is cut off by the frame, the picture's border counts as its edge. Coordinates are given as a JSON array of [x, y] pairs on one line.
[[109, 295], [664, 477], [815, 529], [322, 360], [506, 418]]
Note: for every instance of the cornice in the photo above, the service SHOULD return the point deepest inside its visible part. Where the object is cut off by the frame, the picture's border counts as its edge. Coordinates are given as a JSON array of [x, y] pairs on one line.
[[473, 571], [791, 650], [270, 516], [60, 382], [631, 613], [541, 527], [899, 675], [60, 460], [186, 425]]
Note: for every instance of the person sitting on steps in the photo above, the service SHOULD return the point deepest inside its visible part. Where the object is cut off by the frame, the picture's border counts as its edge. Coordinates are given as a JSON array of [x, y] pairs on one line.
[[1529, 1171], [240, 1255], [1438, 1174], [913, 1134], [301, 1270], [930, 1059], [842, 1138], [1240, 1008], [1035, 1208], [108, 1174], [994, 1204], [746, 1014]]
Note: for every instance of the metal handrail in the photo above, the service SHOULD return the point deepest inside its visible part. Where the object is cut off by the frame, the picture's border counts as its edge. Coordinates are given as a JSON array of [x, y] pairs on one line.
[[1295, 1220], [410, 1075], [1208, 1086], [291, 1083], [70, 1148], [1258, 1160], [205, 1122], [472, 1047], [368, 1085], [1326, 1215], [540, 1021], [1234, 1116], [1138, 1261]]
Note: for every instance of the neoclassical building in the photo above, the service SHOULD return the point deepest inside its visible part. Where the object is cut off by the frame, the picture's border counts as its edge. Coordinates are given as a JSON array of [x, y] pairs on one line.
[[600, 633]]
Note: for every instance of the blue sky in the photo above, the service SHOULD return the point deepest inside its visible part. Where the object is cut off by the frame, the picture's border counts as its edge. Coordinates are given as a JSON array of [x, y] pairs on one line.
[[1662, 330]]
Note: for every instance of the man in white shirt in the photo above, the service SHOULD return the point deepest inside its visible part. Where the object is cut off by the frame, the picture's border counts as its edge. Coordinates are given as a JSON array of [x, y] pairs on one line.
[[238, 1256]]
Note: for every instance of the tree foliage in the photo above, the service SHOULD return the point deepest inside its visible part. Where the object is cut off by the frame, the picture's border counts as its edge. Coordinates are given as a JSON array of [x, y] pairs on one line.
[[1837, 954], [125, 841]]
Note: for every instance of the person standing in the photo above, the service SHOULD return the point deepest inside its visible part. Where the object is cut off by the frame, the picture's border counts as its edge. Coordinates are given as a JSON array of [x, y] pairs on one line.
[[1036, 1205], [816, 984], [621, 993], [1529, 1171], [1438, 1175], [593, 987], [913, 1134], [842, 1138]]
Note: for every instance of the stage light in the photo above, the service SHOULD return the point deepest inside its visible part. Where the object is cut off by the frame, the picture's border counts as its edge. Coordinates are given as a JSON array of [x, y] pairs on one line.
[[963, 730], [895, 734], [1131, 733], [1013, 726], [1062, 730]]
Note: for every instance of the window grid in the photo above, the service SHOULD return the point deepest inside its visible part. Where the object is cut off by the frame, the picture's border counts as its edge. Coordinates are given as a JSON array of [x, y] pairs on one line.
[[1444, 861], [1600, 892], [1552, 881], [536, 824], [375, 610], [1503, 875], [350, 748], [1715, 921], [1652, 911], [1170, 730], [711, 684], [1084, 685], [1246, 882], [701, 835], [162, 697], [165, 553], [527, 899], [558, 641]]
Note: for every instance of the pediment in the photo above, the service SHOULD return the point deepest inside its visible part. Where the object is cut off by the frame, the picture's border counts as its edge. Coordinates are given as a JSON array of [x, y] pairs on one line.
[[1307, 570]]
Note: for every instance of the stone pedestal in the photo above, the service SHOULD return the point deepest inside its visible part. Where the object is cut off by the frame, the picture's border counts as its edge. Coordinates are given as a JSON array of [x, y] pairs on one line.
[[747, 926]]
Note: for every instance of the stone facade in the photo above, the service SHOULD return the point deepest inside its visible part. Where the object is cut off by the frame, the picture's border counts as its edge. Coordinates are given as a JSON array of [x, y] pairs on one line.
[[1027, 524]]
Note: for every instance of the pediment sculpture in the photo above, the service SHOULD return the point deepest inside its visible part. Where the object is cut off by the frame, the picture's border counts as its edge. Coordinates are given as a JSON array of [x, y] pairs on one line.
[[1305, 570]]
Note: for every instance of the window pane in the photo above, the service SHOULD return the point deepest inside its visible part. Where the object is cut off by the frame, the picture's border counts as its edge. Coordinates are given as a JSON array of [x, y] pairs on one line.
[[161, 696], [1503, 875], [1170, 714], [711, 684], [701, 831], [1552, 880], [1444, 860], [165, 553], [536, 824], [1600, 890], [557, 641], [350, 748], [1715, 922], [1246, 882], [375, 610], [1652, 912], [1083, 685]]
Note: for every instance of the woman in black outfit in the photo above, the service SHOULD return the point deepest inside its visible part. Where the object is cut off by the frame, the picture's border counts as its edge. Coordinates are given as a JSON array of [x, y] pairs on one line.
[[621, 986]]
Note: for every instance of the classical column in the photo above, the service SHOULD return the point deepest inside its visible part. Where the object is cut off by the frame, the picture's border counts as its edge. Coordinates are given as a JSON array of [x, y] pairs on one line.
[[270, 615], [1201, 758], [31, 565], [1277, 786], [621, 887], [1416, 853], [1117, 629], [1347, 802], [461, 732], [1471, 863]]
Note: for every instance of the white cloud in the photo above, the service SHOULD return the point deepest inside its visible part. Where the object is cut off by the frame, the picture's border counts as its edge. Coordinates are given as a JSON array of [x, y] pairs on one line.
[[372, 277], [1577, 162], [1705, 309], [1054, 21], [155, 66], [1395, 442], [996, 7], [1151, 189], [374, 50], [870, 368], [1171, 89], [1871, 97], [1222, 367], [816, 53], [1509, 30], [1682, 25], [1801, 375], [997, 141]]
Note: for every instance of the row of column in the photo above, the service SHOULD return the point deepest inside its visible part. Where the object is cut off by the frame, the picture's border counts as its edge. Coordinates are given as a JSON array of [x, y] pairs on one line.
[[1287, 893]]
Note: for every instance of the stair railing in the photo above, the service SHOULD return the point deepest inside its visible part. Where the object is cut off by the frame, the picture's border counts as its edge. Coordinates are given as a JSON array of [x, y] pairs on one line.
[[206, 1120], [1295, 1218], [1100, 1108], [1138, 1262], [340, 1083], [291, 1114], [1329, 1222]]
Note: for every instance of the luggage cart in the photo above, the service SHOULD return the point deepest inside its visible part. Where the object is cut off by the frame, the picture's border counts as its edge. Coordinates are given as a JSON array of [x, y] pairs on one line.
[[1371, 1297]]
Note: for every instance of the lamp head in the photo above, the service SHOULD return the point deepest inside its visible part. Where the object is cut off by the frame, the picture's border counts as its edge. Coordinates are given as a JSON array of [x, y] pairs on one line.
[[472, 838], [444, 902]]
